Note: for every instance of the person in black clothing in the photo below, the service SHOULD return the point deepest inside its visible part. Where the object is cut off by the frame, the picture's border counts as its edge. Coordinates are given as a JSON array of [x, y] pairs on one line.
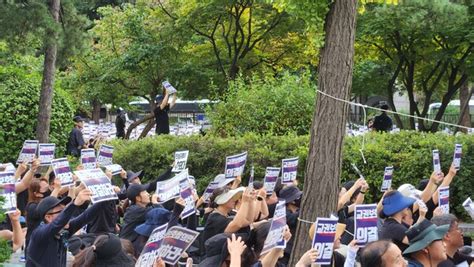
[[120, 123], [76, 141], [292, 196], [161, 112], [47, 245], [382, 122]]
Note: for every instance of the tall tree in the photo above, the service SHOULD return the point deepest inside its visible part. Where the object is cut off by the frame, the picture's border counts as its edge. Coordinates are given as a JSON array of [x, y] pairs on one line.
[[49, 69], [324, 161]]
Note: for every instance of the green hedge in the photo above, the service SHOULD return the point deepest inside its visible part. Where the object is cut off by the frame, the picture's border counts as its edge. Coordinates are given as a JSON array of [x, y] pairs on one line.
[[408, 152]]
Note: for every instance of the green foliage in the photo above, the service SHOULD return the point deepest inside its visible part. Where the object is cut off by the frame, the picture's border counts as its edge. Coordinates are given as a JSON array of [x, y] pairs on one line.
[[20, 82], [5, 250], [408, 152], [265, 105]]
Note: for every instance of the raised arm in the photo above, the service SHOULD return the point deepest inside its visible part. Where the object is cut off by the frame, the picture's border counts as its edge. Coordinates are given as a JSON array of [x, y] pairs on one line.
[[165, 101], [165, 176], [173, 101], [244, 216], [347, 196], [18, 236], [446, 182], [435, 181], [26, 181]]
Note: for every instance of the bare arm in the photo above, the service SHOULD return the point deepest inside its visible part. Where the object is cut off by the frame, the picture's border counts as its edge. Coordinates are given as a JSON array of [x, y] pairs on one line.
[[25, 182], [18, 236], [173, 101], [244, 216], [446, 182], [165, 101], [347, 196], [435, 181]]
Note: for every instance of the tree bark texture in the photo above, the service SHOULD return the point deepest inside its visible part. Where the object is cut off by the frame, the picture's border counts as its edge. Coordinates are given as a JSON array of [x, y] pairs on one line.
[[464, 112], [47, 84], [328, 128], [96, 110]]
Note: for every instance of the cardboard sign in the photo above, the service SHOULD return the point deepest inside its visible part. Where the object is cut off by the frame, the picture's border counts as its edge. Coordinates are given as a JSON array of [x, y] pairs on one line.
[[7, 191], [62, 171], [436, 162], [46, 153], [365, 224], [252, 174], [271, 177], [234, 165], [387, 179], [176, 241], [469, 207], [457, 156], [100, 185], [443, 199], [104, 157], [7, 167], [115, 169], [180, 159], [289, 168], [209, 190], [7, 177], [277, 229], [88, 159], [169, 88], [28, 152], [323, 239], [188, 197], [171, 188], [150, 251]]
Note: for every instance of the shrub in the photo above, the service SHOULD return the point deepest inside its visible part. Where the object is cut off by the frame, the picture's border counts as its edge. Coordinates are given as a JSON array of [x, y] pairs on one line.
[[271, 105], [19, 91], [408, 152]]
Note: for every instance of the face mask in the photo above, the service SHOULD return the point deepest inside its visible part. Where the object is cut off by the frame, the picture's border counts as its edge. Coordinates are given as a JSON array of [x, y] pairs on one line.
[[47, 193]]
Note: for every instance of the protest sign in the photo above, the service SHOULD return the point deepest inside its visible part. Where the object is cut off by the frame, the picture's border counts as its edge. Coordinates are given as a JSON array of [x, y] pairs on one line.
[[46, 153], [150, 251], [7, 177], [171, 188], [115, 169], [28, 152], [469, 207], [234, 165], [180, 159], [277, 229], [387, 179], [436, 162], [252, 173], [323, 240], [104, 157], [289, 168], [188, 197], [365, 224], [88, 159], [443, 199], [176, 241], [271, 177], [62, 171], [169, 88], [208, 192], [457, 156], [99, 184], [8, 193], [7, 167]]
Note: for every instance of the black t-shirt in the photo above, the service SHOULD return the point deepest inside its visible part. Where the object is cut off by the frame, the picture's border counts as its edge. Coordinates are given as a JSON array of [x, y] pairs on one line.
[[162, 120], [458, 258], [105, 220], [215, 224], [75, 142], [134, 216], [382, 122], [392, 230], [120, 125]]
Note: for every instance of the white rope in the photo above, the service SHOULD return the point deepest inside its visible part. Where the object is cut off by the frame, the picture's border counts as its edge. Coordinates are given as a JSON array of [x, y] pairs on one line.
[[392, 112], [305, 221]]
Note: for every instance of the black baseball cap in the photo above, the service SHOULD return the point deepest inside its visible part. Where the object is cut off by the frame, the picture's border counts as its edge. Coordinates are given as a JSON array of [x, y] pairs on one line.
[[49, 203], [135, 189], [77, 119]]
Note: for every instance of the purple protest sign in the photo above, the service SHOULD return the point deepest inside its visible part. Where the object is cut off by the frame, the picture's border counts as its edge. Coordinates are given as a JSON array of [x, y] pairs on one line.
[[323, 239], [469, 207], [289, 168], [46, 153], [115, 169], [88, 159], [152, 246], [28, 151], [271, 177], [176, 241], [209, 190], [188, 197], [277, 228], [443, 199], [7, 177], [104, 157], [99, 184], [436, 161], [234, 165], [365, 224], [387, 179], [9, 197], [457, 156], [171, 188], [62, 171]]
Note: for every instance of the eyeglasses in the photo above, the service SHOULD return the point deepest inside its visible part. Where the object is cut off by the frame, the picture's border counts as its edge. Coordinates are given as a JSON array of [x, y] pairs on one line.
[[52, 213]]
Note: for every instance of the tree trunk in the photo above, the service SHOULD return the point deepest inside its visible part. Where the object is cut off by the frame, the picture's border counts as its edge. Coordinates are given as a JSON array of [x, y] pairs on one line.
[[132, 126], [324, 161], [96, 111], [47, 84], [464, 112]]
